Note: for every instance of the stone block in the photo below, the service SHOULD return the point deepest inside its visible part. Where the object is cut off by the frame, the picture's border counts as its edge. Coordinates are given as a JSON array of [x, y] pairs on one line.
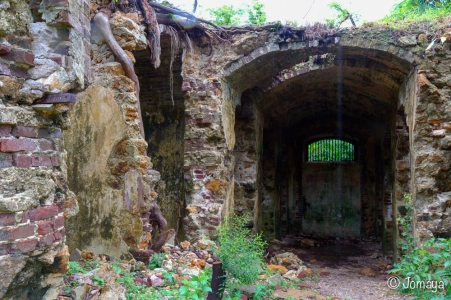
[[55, 3], [65, 18], [49, 132], [4, 49], [60, 234], [55, 160], [7, 219], [6, 161], [5, 130], [21, 160], [408, 41], [19, 56], [18, 72], [24, 131], [24, 246], [439, 133], [45, 227], [46, 145], [10, 234], [41, 161], [14, 145], [58, 222], [5, 249], [34, 4], [59, 98], [46, 240], [43, 213]]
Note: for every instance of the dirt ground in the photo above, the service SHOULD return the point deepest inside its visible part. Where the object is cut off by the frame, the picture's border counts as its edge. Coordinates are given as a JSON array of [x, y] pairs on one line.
[[354, 270]]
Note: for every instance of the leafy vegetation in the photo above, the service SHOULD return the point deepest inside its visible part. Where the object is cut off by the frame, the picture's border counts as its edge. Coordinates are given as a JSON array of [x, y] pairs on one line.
[[419, 10], [263, 291], [246, 14], [330, 150], [240, 251], [198, 287], [194, 289], [426, 267], [341, 15], [156, 260]]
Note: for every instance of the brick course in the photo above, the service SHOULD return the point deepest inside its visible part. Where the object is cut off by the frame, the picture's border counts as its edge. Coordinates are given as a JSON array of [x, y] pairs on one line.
[[14, 145], [14, 233], [6, 160], [43, 213], [25, 131]]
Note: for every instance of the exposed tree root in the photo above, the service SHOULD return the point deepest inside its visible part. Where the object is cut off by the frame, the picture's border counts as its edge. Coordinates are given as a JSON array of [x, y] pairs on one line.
[[101, 20], [156, 218], [161, 240], [153, 32]]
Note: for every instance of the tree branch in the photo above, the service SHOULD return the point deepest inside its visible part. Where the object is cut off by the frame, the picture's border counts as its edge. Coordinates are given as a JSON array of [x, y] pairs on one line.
[[183, 14]]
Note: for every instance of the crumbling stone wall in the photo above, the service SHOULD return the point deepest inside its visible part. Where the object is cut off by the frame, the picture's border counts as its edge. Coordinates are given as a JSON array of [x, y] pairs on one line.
[[431, 144], [42, 57], [46, 56], [108, 167], [251, 62], [248, 150]]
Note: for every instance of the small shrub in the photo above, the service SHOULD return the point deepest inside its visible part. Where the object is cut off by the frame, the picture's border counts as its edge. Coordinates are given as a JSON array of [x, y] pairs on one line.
[[156, 260], [432, 262], [263, 292], [197, 287], [75, 267], [240, 251], [97, 280]]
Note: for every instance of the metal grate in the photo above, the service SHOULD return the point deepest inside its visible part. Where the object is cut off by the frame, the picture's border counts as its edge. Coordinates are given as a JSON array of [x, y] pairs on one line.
[[330, 150]]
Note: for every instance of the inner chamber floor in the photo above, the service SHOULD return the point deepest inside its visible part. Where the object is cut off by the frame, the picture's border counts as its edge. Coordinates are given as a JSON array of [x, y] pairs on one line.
[[351, 268]]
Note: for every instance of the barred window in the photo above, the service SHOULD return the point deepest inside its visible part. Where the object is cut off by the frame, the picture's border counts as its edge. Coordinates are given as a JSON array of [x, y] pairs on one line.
[[330, 150]]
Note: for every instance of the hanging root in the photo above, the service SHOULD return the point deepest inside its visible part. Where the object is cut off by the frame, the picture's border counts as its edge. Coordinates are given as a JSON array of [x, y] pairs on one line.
[[175, 46], [153, 32], [101, 20]]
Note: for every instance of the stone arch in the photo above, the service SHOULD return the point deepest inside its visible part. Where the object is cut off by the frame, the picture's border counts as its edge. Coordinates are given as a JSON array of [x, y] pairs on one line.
[[376, 80]]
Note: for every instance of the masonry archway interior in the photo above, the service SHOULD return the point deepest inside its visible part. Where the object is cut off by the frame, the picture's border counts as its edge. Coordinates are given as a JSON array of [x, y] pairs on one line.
[[323, 137]]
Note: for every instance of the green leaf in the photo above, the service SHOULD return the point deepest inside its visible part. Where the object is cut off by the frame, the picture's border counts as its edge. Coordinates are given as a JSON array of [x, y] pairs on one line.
[[183, 290]]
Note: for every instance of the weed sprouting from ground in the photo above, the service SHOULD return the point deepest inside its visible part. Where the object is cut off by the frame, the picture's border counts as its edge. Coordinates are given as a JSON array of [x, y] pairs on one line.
[[240, 251]]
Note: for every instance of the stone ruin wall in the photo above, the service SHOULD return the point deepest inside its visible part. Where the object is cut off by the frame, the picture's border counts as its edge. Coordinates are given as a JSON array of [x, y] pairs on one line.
[[420, 157], [50, 155], [108, 167], [43, 62]]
